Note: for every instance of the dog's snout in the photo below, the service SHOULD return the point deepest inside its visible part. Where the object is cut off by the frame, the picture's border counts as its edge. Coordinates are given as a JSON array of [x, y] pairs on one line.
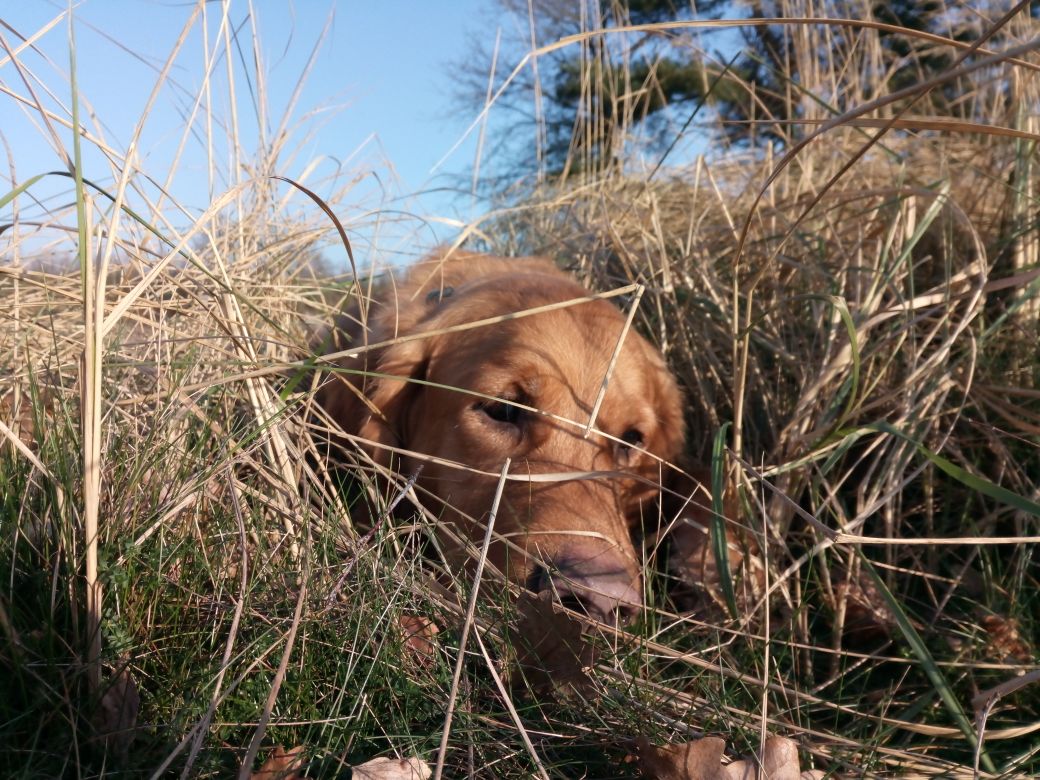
[[598, 582]]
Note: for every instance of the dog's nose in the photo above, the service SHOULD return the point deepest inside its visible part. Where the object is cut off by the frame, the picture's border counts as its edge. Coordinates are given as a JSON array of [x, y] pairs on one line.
[[596, 581]]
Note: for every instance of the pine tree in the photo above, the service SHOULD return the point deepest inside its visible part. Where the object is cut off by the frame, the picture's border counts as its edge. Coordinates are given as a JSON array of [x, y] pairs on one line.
[[595, 95]]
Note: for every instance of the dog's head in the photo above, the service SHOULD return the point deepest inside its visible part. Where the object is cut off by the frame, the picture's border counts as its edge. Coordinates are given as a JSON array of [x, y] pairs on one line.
[[524, 389]]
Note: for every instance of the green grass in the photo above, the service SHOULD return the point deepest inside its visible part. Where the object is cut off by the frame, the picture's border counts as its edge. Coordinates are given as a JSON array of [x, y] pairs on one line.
[[866, 364]]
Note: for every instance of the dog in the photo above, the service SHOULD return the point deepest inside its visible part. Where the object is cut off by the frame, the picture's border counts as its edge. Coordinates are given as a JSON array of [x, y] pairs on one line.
[[462, 400]]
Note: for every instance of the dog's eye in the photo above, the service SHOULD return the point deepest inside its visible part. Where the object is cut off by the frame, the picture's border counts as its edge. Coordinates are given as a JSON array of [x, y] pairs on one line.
[[503, 412], [633, 437], [629, 439]]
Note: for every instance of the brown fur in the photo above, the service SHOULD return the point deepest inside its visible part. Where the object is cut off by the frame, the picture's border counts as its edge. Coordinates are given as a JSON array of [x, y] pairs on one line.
[[554, 361]]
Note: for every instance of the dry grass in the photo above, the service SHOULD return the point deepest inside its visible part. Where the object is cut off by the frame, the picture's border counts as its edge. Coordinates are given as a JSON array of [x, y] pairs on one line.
[[857, 314]]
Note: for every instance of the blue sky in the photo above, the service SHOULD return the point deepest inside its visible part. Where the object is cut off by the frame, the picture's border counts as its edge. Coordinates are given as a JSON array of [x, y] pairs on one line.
[[381, 86]]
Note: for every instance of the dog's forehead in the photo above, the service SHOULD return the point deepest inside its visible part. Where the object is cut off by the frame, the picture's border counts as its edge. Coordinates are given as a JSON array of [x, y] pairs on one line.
[[571, 345], [533, 304]]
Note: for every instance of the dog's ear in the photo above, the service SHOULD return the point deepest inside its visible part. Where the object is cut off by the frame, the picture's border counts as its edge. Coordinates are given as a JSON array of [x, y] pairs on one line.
[[393, 397]]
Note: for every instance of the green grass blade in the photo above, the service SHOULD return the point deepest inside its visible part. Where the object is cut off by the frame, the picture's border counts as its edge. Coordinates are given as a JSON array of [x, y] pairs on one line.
[[18, 191], [719, 541], [931, 668], [973, 481]]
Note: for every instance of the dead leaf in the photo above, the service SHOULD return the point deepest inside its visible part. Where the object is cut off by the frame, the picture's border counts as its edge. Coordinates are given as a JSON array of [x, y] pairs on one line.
[[420, 634], [691, 558], [868, 619], [550, 646], [745, 769], [1005, 641], [701, 759], [116, 715], [19, 418], [780, 759], [282, 764], [392, 769]]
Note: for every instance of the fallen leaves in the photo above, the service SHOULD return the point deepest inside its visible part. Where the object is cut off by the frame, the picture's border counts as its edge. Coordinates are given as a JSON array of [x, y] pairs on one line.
[[692, 561], [115, 718], [866, 616], [18, 419], [701, 759], [285, 764], [420, 638], [550, 646], [687, 537], [1005, 642], [282, 764], [393, 769]]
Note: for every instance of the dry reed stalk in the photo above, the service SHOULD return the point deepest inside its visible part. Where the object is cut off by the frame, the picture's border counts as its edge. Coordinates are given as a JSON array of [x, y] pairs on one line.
[[632, 308], [471, 609], [90, 411], [513, 714]]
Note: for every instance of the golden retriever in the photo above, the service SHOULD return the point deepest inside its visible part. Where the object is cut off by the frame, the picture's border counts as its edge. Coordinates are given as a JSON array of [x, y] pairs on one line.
[[521, 388]]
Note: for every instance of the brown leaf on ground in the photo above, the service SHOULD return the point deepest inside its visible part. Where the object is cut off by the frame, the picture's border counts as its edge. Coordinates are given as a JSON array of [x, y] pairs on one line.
[[1005, 641], [868, 620], [780, 760], [691, 555], [420, 638], [550, 647], [18, 418], [742, 770], [282, 764], [701, 759], [116, 715], [392, 769]]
